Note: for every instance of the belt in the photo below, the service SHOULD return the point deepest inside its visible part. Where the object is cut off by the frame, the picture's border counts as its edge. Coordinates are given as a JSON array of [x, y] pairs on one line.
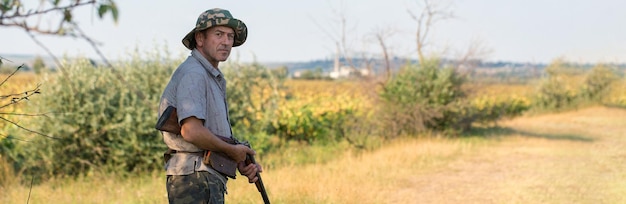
[[171, 151]]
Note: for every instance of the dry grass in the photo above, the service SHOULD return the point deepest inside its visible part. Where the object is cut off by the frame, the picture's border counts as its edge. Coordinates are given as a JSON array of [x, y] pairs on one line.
[[574, 157]]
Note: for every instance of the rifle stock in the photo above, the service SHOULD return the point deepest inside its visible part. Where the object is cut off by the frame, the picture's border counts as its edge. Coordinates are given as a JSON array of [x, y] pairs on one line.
[[168, 121]]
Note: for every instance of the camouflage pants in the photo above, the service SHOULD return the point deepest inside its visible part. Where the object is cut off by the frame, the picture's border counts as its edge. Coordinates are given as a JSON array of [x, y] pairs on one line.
[[199, 187]]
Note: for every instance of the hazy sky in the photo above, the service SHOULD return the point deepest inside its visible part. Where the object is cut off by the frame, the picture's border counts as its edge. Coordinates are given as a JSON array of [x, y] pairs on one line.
[[300, 30]]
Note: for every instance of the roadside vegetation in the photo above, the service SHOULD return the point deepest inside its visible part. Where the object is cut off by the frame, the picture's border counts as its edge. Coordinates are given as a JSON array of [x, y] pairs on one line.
[[98, 121]]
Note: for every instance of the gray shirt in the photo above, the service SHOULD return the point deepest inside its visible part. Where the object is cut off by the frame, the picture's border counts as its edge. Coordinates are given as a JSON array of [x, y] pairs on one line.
[[196, 89]]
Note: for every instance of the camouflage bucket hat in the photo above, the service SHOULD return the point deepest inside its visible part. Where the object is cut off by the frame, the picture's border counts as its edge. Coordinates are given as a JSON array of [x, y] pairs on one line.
[[217, 17]]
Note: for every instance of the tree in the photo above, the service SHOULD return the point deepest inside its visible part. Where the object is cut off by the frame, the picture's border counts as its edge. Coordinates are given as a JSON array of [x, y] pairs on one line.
[[15, 13], [381, 35], [426, 18], [341, 34]]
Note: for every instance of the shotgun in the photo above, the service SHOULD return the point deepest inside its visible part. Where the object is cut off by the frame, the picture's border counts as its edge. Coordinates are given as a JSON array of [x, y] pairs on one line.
[[259, 183], [168, 122]]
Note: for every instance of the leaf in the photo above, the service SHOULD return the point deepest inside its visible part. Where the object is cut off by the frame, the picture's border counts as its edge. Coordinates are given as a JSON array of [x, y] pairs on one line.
[[109, 7], [67, 15], [102, 9], [114, 12]]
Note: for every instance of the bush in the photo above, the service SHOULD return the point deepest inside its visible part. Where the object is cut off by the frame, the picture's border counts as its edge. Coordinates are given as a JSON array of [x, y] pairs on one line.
[[429, 98], [567, 86], [425, 97], [310, 124], [101, 118], [597, 83], [253, 94]]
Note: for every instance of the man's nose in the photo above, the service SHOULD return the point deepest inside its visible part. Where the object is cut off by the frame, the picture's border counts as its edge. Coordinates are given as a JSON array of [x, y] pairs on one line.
[[228, 41]]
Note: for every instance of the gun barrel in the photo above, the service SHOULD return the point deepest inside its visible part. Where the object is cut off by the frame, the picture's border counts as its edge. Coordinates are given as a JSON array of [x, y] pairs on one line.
[[261, 188], [259, 183]]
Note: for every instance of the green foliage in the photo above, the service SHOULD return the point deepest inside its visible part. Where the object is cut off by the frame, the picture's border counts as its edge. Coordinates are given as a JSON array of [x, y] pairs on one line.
[[253, 94], [567, 86], [554, 94], [305, 124], [597, 82], [108, 6], [430, 98], [554, 91], [101, 119], [421, 98], [428, 85]]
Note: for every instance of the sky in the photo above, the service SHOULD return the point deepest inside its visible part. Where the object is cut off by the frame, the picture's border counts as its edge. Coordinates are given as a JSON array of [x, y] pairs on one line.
[[536, 31]]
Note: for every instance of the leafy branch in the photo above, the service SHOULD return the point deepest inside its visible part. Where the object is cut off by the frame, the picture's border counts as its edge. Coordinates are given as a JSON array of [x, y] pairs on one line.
[[14, 13]]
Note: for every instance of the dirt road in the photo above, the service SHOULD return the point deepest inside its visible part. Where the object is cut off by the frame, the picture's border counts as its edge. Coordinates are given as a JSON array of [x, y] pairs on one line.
[[574, 157]]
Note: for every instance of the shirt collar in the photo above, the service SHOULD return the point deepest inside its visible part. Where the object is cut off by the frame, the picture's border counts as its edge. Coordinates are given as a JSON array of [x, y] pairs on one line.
[[205, 63]]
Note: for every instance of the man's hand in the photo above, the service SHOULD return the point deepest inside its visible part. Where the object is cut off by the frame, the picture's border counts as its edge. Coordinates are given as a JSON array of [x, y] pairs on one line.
[[238, 152], [249, 171]]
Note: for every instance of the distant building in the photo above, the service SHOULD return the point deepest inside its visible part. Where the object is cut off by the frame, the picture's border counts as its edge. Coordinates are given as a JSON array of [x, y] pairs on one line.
[[346, 71], [340, 71]]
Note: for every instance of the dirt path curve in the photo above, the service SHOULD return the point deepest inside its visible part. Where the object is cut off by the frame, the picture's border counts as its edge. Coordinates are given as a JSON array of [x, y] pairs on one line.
[[574, 157]]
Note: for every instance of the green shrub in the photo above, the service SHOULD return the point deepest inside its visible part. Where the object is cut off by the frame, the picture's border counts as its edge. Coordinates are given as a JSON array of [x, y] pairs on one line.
[[429, 98], [426, 97], [567, 86], [597, 83], [310, 124], [253, 94], [102, 119]]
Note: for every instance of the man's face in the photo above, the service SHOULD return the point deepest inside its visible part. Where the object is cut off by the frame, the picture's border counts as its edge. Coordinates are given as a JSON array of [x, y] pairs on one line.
[[215, 43]]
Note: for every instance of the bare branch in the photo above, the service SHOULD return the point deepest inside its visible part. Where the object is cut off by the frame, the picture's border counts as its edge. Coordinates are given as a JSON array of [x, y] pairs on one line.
[[16, 98], [56, 60], [470, 57], [428, 16], [10, 75], [340, 35], [93, 45], [381, 35], [25, 114], [26, 129], [2, 58]]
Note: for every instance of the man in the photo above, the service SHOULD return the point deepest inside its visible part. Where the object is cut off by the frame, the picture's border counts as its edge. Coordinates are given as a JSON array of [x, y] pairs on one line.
[[198, 90]]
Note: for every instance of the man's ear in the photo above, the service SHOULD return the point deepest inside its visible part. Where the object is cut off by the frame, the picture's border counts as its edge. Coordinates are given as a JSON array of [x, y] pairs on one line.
[[199, 38]]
